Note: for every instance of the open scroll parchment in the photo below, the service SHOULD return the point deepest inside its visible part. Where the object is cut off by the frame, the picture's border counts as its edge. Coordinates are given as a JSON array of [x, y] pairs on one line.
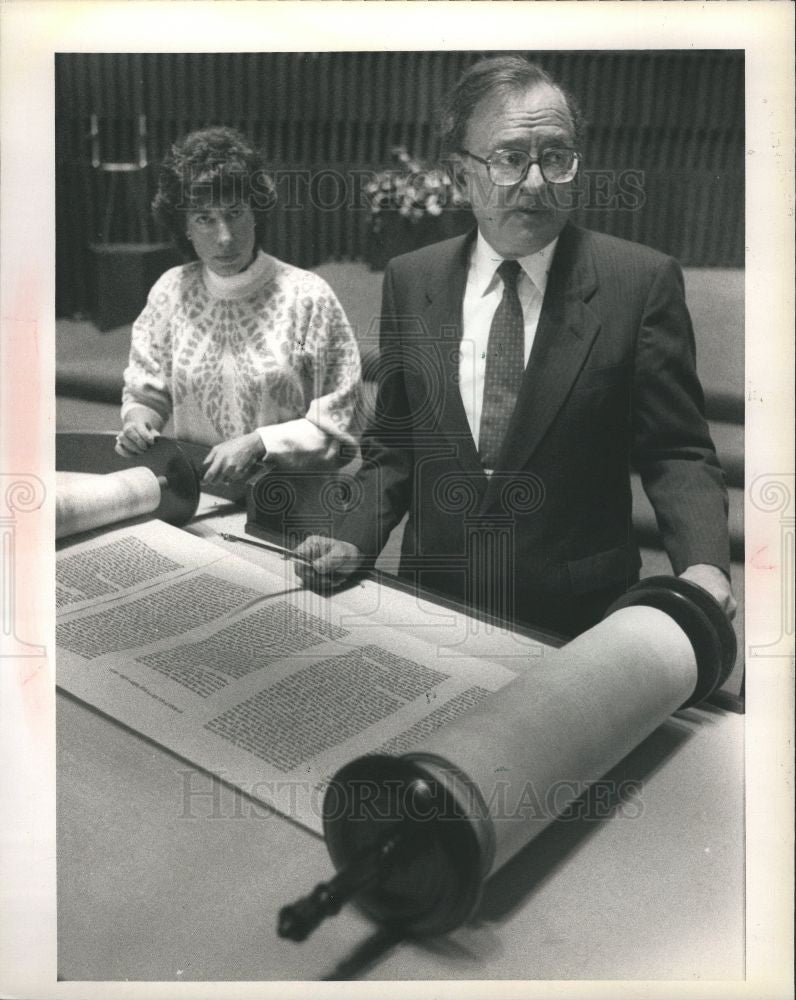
[[241, 671]]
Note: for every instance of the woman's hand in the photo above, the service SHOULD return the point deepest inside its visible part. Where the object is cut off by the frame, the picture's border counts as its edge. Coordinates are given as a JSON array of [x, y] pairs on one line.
[[139, 433], [232, 460]]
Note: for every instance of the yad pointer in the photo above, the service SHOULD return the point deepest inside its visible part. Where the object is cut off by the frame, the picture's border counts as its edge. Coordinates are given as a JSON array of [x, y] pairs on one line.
[[270, 546]]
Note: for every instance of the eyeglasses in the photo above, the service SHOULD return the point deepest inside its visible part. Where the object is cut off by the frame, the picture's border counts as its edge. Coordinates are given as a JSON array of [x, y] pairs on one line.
[[558, 165]]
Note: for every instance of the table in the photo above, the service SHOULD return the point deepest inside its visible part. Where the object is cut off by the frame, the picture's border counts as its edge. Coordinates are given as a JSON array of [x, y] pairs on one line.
[[165, 873]]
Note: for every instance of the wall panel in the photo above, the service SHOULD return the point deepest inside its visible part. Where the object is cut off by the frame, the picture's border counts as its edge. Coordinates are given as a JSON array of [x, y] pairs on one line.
[[677, 117]]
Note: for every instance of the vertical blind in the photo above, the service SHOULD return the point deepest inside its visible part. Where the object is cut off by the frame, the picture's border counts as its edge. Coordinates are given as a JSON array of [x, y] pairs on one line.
[[663, 157]]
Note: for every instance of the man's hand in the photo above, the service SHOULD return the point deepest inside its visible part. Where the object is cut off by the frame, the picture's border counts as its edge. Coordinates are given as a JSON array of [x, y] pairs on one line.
[[138, 434], [232, 460], [715, 582], [332, 562]]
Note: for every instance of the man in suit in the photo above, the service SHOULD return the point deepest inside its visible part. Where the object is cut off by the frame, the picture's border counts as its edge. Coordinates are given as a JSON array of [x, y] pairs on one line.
[[525, 369]]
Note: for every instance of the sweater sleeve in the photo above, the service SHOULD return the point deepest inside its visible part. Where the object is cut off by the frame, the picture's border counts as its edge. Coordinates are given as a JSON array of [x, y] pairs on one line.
[[328, 355], [148, 373]]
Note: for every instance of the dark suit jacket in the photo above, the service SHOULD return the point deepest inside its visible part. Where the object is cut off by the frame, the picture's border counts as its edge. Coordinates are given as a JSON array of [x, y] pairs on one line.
[[611, 381]]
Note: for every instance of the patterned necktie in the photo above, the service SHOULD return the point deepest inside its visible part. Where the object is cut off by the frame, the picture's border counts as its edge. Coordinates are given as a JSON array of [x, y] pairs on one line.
[[505, 365]]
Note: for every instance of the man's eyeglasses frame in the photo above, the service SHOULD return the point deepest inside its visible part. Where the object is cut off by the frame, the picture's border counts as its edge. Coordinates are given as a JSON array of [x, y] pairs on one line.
[[538, 160]]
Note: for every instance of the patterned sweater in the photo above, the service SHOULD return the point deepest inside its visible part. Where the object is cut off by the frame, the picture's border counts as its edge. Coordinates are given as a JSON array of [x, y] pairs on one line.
[[268, 350]]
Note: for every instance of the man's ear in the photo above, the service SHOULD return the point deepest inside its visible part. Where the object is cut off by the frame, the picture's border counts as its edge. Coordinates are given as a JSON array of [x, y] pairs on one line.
[[455, 165]]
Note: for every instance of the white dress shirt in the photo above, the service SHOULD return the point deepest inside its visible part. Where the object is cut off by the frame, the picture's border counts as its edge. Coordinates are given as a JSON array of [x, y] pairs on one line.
[[482, 295]]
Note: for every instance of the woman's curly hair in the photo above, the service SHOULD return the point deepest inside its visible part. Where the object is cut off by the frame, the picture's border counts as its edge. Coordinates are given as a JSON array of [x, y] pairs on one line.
[[212, 166]]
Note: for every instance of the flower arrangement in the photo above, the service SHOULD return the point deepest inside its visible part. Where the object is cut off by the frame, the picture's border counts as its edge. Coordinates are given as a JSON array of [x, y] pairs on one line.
[[414, 188]]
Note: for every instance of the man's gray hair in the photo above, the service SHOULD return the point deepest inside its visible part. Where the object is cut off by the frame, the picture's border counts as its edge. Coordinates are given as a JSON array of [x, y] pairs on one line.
[[499, 74]]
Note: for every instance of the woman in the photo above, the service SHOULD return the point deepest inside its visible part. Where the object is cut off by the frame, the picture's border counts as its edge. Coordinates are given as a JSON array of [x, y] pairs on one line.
[[245, 352]]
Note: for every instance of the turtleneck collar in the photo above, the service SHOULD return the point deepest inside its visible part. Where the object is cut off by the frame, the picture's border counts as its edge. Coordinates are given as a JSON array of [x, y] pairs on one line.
[[237, 286]]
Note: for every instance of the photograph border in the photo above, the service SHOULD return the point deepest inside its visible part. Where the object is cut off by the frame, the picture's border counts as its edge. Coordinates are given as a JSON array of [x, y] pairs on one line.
[[31, 32]]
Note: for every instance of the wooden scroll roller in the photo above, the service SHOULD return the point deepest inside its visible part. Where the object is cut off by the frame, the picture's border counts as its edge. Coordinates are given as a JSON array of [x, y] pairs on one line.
[[95, 487], [414, 837]]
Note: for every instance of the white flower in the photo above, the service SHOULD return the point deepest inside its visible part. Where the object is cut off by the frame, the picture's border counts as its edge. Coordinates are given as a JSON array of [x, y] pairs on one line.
[[415, 189]]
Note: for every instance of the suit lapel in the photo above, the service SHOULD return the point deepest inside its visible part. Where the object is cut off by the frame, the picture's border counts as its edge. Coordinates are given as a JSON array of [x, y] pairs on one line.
[[567, 327], [444, 295], [566, 330]]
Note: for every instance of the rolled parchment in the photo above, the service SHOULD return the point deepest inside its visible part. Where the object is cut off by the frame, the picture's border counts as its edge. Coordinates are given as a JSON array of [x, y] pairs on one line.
[[414, 837], [572, 716], [85, 500]]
